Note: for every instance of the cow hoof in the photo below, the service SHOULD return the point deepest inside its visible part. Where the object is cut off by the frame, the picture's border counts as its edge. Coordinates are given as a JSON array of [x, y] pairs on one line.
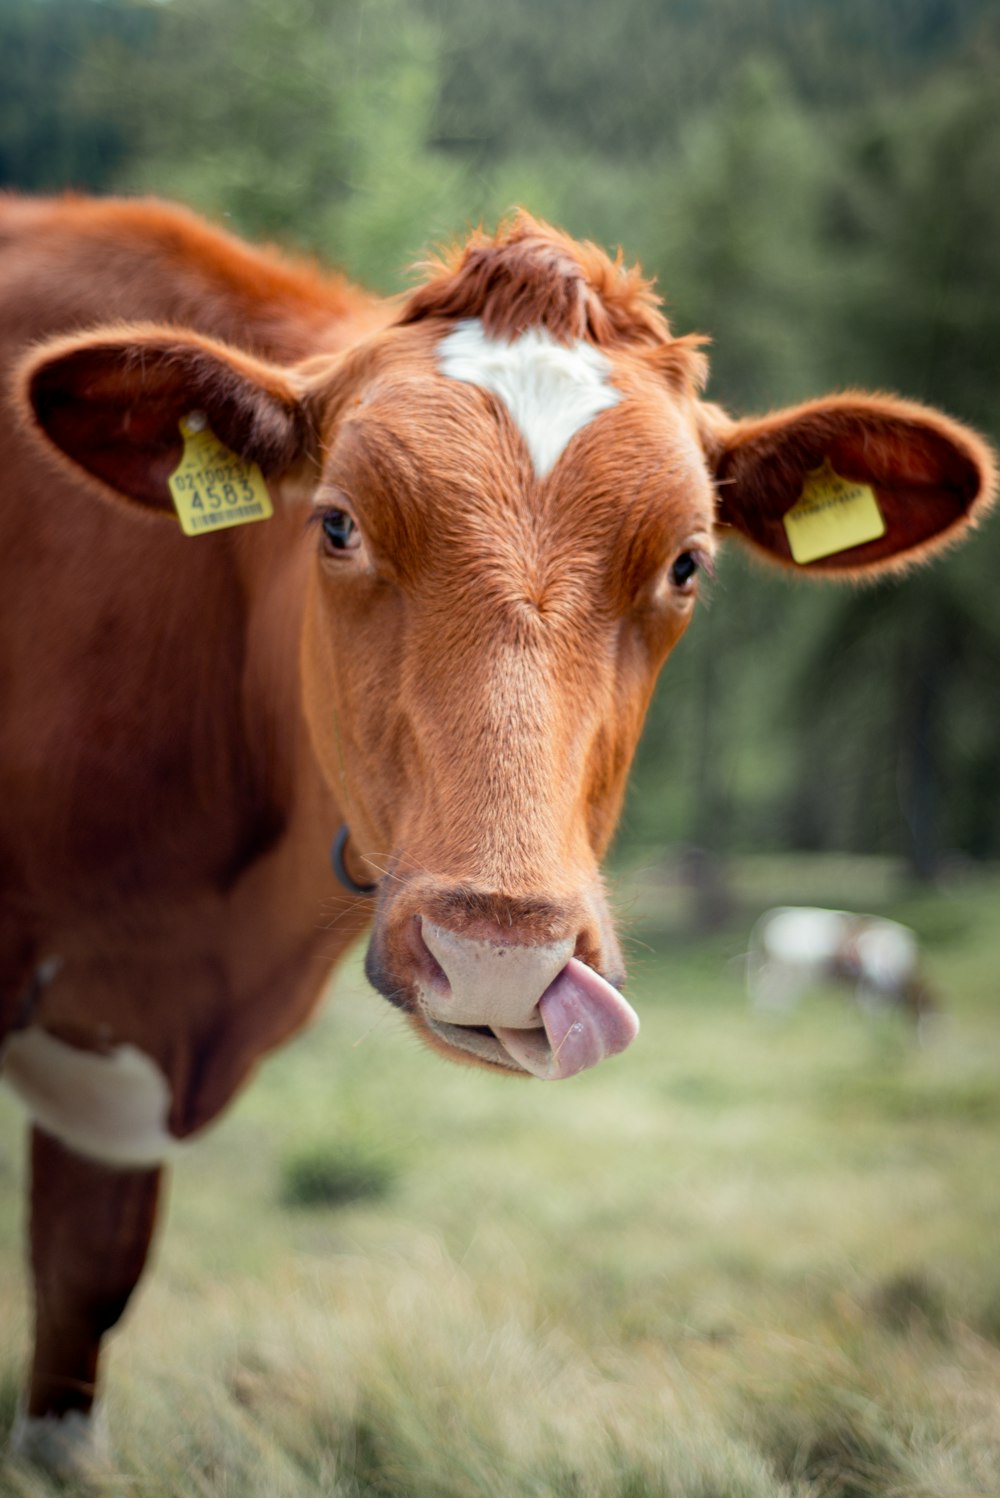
[[72, 1447]]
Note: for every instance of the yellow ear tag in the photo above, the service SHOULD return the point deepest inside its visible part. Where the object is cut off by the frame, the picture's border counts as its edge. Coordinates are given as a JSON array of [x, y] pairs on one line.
[[831, 514], [212, 487]]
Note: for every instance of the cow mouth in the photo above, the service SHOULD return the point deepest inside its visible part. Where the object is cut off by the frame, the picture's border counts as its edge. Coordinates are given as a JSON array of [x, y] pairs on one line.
[[476, 1040], [581, 1020]]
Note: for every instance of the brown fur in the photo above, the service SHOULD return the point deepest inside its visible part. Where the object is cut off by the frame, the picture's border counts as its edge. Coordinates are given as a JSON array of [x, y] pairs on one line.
[[186, 722], [527, 275]]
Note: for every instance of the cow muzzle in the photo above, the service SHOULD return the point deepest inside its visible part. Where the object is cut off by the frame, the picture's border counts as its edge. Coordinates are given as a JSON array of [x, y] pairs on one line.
[[536, 1008]]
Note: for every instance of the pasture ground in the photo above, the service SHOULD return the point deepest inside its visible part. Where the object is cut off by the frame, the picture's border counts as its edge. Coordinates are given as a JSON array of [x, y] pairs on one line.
[[749, 1259]]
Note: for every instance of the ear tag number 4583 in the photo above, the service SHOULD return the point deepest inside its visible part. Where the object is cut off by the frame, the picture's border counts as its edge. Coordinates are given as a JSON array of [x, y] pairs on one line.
[[213, 487]]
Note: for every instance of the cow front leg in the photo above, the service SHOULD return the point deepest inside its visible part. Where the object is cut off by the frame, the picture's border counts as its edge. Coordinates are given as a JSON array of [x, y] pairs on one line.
[[91, 1227]]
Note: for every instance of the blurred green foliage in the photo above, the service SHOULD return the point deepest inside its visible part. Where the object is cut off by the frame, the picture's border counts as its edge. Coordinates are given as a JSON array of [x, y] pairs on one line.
[[816, 183]]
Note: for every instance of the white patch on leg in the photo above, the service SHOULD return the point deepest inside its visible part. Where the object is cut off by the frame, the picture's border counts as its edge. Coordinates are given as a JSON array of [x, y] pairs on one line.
[[110, 1107], [67, 1446], [551, 389]]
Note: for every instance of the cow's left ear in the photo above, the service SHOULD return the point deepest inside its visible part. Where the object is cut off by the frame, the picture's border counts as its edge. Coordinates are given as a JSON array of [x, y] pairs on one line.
[[112, 401], [854, 484]]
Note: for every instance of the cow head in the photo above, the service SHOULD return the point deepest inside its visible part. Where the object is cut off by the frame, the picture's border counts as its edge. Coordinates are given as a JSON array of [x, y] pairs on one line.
[[512, 492]]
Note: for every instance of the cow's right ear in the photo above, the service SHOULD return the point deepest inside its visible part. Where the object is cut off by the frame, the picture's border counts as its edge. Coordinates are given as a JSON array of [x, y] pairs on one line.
[[112, 401], [848, 486]]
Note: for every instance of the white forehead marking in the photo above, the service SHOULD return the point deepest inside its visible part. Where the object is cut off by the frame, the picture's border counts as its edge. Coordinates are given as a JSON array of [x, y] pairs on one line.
[[550, 389], [111, 1108]]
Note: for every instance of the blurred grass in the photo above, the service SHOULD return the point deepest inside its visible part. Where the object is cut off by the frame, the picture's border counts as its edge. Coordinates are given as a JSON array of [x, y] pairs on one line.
[[749, 1259], [325, 1176]]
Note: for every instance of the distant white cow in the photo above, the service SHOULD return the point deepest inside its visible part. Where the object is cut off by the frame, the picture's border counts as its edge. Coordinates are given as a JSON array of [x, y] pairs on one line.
[[793, 948]]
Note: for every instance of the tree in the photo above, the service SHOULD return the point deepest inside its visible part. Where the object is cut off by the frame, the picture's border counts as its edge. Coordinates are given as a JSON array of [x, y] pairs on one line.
[[306, 120], [50, 137]]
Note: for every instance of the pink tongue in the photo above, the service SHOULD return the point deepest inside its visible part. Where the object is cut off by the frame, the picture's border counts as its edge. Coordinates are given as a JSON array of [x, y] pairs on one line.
[[585, 1020]]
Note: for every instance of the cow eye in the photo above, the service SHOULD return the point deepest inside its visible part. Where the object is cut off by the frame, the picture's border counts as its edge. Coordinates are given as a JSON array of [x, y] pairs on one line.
[[684, 569], [339, 531]]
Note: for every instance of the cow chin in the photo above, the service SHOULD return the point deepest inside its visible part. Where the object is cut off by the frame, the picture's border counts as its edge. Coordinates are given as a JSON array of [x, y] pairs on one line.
[[512, 985], [468, 1045]]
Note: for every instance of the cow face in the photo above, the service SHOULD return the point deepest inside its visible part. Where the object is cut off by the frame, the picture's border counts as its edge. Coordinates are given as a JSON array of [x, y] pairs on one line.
[[511, 496], [509, 538]]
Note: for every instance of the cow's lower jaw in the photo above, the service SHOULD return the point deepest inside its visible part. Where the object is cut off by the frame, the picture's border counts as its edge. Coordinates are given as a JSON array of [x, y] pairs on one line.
[[473, 1042], [580, 1019]]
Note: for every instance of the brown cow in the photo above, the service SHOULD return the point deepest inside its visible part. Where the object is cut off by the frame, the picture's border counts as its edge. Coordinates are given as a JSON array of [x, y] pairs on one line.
[[491, 504]]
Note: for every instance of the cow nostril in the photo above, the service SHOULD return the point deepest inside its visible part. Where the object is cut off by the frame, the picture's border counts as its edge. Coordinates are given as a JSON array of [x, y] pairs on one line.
[[427, 964]]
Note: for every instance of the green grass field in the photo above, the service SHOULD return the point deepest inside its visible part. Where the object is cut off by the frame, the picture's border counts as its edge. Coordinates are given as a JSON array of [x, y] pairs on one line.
[[749, 1258]]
